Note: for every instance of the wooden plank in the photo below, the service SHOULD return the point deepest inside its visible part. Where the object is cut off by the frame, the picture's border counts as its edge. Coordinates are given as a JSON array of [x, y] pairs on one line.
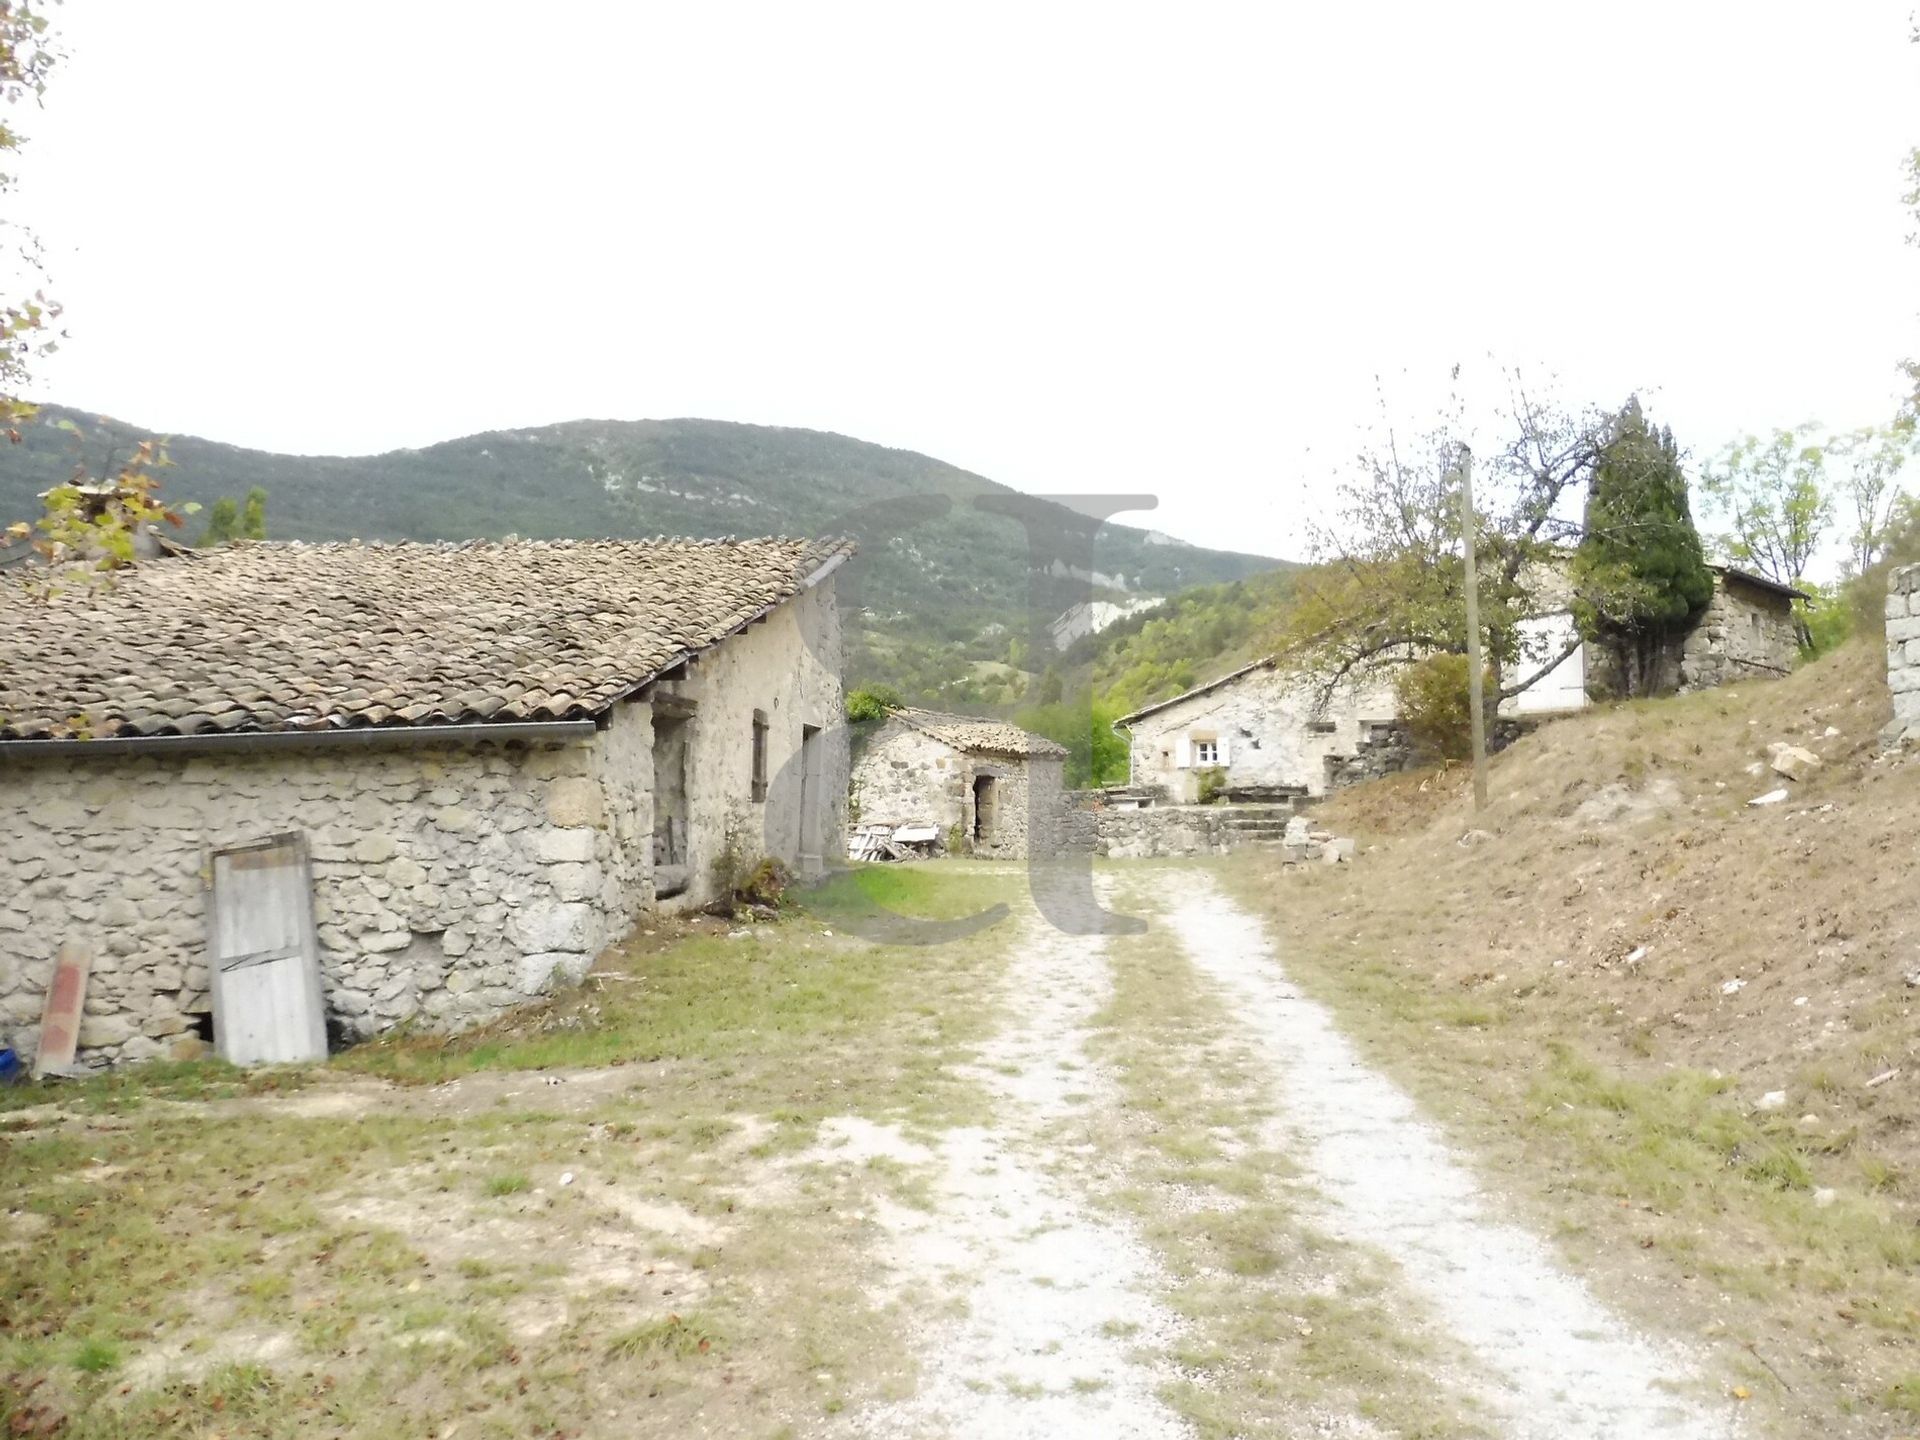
[[60, 1020]]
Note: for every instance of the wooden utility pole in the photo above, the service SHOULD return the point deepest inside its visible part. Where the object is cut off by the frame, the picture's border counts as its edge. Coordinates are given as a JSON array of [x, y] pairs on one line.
[[1476, 671]]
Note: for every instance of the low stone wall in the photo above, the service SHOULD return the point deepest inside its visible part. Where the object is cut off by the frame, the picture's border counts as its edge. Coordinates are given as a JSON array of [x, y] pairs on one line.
[[1160, 832], [1903, 653]]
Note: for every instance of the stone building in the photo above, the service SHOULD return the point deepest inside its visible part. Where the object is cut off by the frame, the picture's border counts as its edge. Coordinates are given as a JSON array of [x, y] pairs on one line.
[[1261, 730], [475, 762], [989, 788], [1748, 631]]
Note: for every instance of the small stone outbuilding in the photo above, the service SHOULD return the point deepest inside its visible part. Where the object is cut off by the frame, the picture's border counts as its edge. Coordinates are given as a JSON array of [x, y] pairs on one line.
[[467, 769], [988, 788]]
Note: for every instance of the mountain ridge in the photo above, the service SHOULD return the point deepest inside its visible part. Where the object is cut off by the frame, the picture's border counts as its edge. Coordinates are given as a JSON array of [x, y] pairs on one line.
[[944, 578]]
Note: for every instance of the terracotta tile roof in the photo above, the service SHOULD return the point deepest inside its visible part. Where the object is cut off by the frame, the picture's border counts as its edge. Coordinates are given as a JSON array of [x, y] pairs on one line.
[[968, 732], [261, 636]]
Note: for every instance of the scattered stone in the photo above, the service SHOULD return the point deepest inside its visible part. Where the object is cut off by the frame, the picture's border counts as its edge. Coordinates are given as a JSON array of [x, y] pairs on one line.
[[1636, 956], [1792, 761], [1772, 1100], [1882, 1078], [1732, 987], [1339, 852], [1476, 837], [1772, 797], [1913, 978], [1799, 1000], [1824, 1197], [1832, 732]]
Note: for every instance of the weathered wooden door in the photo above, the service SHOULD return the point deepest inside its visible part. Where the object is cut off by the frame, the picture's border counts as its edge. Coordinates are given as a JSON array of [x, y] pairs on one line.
[[267, 1004]]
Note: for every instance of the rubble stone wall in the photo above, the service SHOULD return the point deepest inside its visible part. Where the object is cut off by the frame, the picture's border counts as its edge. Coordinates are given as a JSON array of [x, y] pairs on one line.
[[1903, 652], [450, 882], [1745, 633]]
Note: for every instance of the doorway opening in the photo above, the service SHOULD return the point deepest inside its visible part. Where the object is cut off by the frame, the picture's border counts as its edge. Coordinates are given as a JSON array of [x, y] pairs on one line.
[[810, 791], [672, 861], [986, 804]]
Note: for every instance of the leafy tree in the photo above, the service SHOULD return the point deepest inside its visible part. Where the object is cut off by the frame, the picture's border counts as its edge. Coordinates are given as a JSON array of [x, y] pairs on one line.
[[1051, 689], [1871, 461], [1772, 493], [871, 702], [1389, 582], [223, 522], [1096, 752], [1640, 573], [253, 518]]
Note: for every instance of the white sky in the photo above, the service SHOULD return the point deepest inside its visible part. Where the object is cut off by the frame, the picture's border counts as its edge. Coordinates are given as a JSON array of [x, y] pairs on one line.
[[1072, 247]]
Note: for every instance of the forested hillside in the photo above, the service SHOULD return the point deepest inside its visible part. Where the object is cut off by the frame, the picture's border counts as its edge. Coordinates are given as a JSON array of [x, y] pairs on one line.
[[1196, 635], [944, 585]]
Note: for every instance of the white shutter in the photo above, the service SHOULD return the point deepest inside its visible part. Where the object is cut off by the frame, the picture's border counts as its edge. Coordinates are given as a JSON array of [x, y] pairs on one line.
[[1183, 753], [1226, 756]]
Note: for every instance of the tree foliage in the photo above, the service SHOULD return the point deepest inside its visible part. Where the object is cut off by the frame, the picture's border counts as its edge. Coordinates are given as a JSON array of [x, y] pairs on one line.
[[228, 521], [1640, 573], [1096, 752], [90, 529], [871, 702], [1388, 585], [1435, 704], [26, 321], [1772, 495]]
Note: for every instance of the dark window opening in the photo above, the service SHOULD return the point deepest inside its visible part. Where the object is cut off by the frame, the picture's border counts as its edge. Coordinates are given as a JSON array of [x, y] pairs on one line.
[[1322, 727], [759, 757], [202, 1025]]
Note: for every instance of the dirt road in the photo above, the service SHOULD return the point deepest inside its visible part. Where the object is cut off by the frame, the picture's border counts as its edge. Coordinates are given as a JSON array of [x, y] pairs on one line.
[[1040, 1279]]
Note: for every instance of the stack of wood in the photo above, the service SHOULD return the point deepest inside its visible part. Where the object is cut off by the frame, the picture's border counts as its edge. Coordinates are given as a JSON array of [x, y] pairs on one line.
[[894, 842]]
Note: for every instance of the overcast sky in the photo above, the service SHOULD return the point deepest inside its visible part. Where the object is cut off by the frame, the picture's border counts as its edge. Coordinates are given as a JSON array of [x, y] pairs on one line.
[[1071, 247]]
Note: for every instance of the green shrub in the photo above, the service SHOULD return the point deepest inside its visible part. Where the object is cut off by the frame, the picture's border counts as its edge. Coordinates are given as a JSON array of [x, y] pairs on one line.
[[1434, 704], [871, 702], [1212, 783]]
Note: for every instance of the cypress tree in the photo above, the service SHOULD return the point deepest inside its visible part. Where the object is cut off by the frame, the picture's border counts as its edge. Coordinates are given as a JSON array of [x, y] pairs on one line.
[[1640, 575]]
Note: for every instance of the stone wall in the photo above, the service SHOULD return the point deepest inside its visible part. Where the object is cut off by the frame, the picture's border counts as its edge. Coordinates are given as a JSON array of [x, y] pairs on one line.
[[1385, 749], [1903, 653], [1275, 731], [449, 882], [1157, 832], [1745, 633], [788, 668]]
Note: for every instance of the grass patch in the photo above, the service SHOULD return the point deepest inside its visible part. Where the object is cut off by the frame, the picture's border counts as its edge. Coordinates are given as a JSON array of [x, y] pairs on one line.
[[674, 1335], [498, 1185]]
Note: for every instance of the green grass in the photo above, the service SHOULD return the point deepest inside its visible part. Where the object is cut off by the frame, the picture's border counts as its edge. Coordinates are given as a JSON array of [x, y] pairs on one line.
[[675, 1335], [369, 1261]]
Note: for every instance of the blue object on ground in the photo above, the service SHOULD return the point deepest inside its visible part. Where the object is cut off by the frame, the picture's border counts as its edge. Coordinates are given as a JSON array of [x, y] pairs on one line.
[[12, 1072]]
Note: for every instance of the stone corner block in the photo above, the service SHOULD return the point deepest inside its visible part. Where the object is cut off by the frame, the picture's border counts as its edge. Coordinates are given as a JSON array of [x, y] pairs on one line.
[[575, 800], [554, 925], [564, 847]]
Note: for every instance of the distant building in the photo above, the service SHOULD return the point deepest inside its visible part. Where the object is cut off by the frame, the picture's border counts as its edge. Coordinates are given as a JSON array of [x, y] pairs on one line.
[[271, 792], [1262, 728], [987, 788], [1266, 730]]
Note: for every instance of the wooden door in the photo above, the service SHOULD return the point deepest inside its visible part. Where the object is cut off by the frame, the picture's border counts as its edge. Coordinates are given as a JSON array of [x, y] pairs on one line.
[[267, 1005]]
